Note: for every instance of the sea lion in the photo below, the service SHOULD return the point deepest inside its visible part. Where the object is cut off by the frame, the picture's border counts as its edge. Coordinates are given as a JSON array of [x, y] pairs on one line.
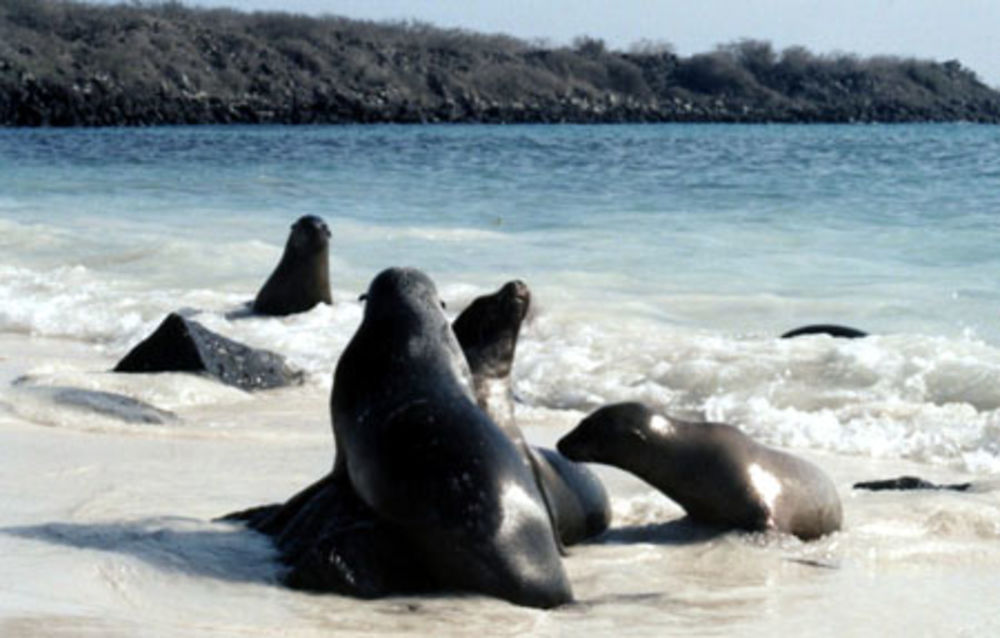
[[488, 330], [428, 461], [714, 471], [842, 332], [302, 278]]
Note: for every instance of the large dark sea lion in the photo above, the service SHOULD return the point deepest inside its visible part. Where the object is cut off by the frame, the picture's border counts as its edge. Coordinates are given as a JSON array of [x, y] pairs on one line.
[[428, 461], [718, 474], [332, 540], [302, 278], [488, 330]]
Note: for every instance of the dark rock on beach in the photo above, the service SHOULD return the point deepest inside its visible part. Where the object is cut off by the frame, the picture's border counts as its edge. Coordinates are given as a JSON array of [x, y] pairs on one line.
[[908, 483], [73, 64], [183, 345]]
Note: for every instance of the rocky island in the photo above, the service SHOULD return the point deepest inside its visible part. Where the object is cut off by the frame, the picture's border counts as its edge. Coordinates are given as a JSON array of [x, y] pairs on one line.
[[67, 63]]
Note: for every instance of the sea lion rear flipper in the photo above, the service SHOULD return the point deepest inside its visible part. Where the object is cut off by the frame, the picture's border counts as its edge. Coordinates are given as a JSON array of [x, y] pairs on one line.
[[252, 517]]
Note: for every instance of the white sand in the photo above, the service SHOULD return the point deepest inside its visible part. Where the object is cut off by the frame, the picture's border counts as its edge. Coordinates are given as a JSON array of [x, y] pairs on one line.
[[105, 530]]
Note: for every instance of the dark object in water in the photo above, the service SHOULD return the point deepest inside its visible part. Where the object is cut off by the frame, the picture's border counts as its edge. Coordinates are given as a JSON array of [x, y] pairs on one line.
[[825, 328], [302, 277], [909, 483], [183, 345], [113, 405], [109, 404]]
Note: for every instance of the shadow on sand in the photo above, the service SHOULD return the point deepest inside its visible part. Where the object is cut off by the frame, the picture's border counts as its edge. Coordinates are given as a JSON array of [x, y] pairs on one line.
[[191, 546], [680, 531]]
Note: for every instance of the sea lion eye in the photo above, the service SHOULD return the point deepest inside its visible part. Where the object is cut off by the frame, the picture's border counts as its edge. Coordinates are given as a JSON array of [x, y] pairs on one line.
[[443, 306]]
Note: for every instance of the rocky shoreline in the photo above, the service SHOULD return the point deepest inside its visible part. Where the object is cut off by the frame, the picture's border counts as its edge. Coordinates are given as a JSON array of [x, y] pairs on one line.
[[68, 64]]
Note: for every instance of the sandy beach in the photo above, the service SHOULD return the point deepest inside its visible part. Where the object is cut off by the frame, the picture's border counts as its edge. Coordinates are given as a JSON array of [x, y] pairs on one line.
[[107, 530]]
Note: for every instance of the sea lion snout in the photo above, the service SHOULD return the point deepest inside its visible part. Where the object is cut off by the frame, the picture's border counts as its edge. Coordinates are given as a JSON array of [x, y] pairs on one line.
[[518, 295], [575, 445]]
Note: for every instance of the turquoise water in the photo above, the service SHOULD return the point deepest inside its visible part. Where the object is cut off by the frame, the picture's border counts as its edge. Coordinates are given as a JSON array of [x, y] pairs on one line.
[[903, 214], [664, 259]]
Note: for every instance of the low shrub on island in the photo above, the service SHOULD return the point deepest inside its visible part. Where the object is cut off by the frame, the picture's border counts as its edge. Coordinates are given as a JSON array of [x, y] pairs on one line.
[[73, 64]]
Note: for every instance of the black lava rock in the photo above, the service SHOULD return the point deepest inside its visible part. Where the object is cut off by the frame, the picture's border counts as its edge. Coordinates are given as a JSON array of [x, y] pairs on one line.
[[183, 345], [909, 483]]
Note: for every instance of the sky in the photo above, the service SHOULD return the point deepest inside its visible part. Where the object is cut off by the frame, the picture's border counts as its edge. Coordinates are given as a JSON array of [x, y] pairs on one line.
[[939, 30]]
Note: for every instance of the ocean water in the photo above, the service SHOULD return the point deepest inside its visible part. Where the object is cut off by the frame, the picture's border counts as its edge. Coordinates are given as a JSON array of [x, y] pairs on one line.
[[664, 260]]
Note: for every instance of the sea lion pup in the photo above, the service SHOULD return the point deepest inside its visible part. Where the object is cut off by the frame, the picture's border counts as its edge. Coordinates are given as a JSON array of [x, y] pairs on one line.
[[302, 278], [487, 330], [715, 472], [427, 460], [843, 332]]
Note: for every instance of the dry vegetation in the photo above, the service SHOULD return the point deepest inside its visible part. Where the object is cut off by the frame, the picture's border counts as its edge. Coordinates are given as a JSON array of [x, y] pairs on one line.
[[67, 63]]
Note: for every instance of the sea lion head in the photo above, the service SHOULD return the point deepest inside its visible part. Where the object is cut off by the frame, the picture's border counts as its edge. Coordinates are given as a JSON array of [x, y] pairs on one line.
[[404, 342], [402, 307], [487, 330], [398, 292], [309, 234], [598, 437]]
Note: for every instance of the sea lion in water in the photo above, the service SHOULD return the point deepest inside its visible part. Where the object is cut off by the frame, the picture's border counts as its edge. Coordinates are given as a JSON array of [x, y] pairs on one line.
[[842, 332], [488, 330], [428, 461], [302, 278], [714, 471]]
